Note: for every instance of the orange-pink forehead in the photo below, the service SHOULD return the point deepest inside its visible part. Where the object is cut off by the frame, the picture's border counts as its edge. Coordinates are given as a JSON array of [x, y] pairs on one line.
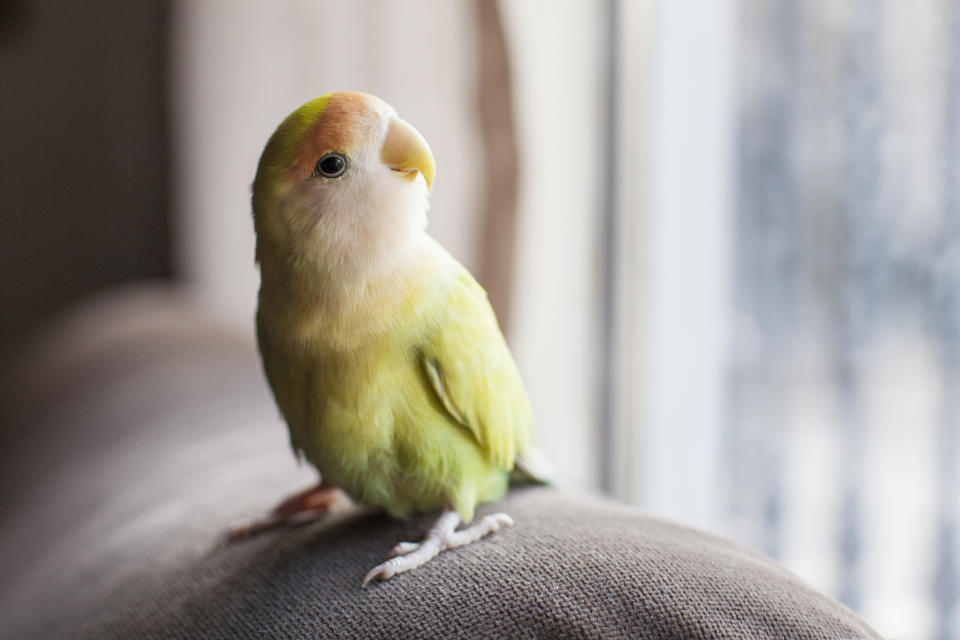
[[347, 119]]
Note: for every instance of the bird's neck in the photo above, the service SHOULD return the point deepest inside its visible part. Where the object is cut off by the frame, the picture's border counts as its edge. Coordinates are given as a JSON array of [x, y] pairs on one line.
[[344, 306]]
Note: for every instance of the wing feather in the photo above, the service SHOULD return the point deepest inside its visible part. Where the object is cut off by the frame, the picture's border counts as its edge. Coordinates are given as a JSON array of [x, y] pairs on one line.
[[474, 377]]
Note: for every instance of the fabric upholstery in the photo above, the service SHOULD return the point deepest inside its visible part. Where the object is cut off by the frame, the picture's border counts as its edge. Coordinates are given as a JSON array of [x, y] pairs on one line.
[[153, 431]]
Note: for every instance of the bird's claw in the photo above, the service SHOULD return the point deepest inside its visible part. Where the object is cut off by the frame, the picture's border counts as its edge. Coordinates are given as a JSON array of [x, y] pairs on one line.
[[403, 548], [245, 530], [443, 536], [383, 571], [499, 521]]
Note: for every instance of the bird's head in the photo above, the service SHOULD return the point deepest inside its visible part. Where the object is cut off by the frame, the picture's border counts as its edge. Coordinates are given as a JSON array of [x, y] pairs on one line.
[[342, 185]]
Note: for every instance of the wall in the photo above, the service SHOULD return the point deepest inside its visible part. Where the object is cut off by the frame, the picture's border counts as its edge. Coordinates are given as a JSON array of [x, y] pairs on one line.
[[83, 161]]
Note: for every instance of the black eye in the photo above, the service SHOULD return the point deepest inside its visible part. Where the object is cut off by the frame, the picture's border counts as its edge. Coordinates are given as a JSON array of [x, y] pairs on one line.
[[331, 165]]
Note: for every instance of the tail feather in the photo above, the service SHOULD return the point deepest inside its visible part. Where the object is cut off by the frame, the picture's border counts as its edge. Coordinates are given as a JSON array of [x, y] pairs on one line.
[[532, 468]]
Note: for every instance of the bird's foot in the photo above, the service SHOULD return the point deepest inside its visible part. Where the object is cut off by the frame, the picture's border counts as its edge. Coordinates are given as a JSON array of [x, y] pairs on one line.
[[300, 508], [442, 536]]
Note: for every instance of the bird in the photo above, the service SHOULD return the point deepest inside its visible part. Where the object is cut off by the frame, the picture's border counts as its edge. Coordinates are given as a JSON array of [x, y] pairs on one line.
[[383, 353]]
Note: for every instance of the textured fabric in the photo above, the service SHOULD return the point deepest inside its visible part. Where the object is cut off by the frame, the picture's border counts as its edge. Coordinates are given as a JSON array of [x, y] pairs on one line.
[[142, 450]]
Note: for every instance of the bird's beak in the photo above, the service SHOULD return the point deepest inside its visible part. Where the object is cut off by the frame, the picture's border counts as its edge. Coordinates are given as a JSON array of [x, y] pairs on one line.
[[404, 150]]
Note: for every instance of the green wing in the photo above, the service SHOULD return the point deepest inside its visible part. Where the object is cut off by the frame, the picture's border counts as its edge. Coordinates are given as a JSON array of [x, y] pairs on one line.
[[474, 377]]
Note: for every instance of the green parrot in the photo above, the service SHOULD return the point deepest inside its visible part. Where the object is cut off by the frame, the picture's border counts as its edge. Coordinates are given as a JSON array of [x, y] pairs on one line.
[[383, 353]]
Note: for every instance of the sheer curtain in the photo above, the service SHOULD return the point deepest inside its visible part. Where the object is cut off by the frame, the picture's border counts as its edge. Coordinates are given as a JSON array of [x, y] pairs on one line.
[[785, 319], [558, 56], [844, 385]]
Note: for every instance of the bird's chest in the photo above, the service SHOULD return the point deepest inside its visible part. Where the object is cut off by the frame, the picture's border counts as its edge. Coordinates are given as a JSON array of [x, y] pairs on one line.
[[344, 409]]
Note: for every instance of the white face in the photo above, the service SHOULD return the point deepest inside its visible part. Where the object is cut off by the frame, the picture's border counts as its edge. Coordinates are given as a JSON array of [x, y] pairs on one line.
[[361, 221]]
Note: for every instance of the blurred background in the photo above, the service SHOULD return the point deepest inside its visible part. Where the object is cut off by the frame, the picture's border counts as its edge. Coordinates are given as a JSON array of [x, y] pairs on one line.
[[723, 236]]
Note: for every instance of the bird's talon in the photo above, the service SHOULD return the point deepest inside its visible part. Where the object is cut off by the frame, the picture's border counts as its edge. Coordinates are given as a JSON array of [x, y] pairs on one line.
[[501, 520], [403, 548], [245, 530], [381, 572], [372, 574]]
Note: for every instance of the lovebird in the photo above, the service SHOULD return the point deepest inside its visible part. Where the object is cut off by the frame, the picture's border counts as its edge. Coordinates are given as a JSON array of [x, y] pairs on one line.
[[382, 351]]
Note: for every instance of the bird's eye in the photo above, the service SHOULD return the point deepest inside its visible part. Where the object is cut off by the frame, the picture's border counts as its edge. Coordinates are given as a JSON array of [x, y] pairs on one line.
[[331, 165]]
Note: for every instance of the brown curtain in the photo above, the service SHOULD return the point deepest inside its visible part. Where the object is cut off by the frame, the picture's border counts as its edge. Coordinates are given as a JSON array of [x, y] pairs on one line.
[[498, 215]]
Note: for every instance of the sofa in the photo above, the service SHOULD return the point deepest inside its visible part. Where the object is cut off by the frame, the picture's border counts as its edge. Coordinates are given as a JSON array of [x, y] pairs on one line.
[[138, 429]]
